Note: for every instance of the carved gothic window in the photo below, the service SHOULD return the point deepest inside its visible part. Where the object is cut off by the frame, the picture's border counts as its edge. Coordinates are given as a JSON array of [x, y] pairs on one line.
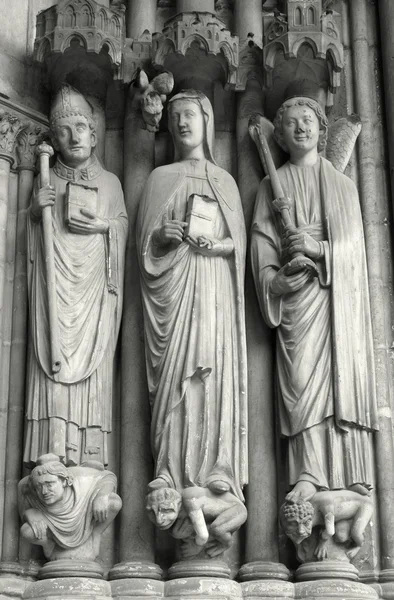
[[298, 16], [69, 17], [311, 16]]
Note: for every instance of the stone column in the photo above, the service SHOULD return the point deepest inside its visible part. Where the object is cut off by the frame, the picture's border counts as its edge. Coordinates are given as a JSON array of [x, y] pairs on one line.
[[141, 16], [262, 568], [10, 126], [27, 142], [248, 20], [192, 6], [136, 546], [376, 215], [386, 14]]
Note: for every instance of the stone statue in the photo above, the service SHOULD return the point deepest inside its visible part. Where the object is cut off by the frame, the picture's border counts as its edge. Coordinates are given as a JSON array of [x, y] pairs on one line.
[[191, 246], [204, 520], [70, 413], [340, 514], [324, 351], [66, 509]]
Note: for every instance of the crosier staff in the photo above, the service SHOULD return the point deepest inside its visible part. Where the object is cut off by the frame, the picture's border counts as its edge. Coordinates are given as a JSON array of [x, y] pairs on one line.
[[281, 204], [45, 151]]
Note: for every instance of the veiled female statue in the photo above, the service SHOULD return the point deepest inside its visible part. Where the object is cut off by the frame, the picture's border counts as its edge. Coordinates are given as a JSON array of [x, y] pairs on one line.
[[191, 245]]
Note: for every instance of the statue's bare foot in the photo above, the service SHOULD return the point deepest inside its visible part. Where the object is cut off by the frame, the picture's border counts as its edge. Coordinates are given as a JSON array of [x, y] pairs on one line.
[[156, 484], [303, 490], [218, 486], [360, 489]]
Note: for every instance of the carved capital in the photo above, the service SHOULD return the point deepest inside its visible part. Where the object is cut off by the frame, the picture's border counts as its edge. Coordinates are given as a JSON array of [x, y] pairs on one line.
[[10, 127], [26, 146]]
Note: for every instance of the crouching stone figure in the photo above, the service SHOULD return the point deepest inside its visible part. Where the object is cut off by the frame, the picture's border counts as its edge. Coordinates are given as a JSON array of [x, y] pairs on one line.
[[66, 509]]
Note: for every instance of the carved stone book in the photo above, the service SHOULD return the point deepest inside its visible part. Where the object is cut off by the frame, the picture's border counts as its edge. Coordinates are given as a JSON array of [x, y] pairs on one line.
[[79, 196], [200, 216]]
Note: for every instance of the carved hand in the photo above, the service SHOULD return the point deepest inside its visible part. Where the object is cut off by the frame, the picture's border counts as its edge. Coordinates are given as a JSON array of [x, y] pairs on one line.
[[37, 523], [211, 247], [100, 508], [93, 224], [44, 197], [171, 231], [298, 241], [286, 284]]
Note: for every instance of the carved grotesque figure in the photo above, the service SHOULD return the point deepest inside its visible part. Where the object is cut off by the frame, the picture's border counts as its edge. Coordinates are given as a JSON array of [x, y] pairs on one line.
[[191, 244], [65, 510], [69, 413], [340, 514], [203, 520]]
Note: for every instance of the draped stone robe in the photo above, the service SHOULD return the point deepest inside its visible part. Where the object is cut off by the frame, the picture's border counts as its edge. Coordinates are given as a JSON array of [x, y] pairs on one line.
[[195, 334], [324, 352], [72, 417]]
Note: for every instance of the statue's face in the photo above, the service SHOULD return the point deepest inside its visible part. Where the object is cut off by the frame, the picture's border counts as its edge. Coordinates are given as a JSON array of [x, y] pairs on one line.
[[300, 129], [187, 124], [75, 139], [163, 514], [298, 531], [49, 488]]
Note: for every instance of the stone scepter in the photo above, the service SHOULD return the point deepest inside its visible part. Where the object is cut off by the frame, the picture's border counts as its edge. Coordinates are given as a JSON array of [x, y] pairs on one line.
[[45, 151], [281, 203]]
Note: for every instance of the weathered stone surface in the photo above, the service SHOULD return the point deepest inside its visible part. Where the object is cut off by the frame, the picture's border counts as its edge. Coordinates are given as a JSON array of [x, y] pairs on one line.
[[204, 588], [64, 588], [269, 589], [334, 590], [137, 588]]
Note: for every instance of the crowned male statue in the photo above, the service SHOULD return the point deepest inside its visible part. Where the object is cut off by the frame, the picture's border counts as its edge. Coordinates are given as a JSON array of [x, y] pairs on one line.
[[70, 414], [324, 350]]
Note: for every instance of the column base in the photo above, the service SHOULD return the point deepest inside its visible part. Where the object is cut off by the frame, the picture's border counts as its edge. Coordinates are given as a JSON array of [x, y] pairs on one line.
[[68, 588], [385, 587], [268, 589], [199, 568], [28, 571], [334, 589], [12, 587], [137, 589], [326, 569], [260, 569], [202, 588], [136, 569], [71, 568]]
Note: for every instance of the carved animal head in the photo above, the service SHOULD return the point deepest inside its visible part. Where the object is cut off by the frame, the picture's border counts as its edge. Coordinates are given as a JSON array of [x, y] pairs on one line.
[[163, 506], [296, 519], [49, 479], [153, 94]]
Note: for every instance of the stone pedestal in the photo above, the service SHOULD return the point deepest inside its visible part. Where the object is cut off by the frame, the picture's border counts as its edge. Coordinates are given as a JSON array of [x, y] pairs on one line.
[[267, 589], [215, 569], [264, 579], [137, 589], [202, 588], [12, 587], [326, 570], [71, 568], [334, 589], [68, 588], [385, 587]]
